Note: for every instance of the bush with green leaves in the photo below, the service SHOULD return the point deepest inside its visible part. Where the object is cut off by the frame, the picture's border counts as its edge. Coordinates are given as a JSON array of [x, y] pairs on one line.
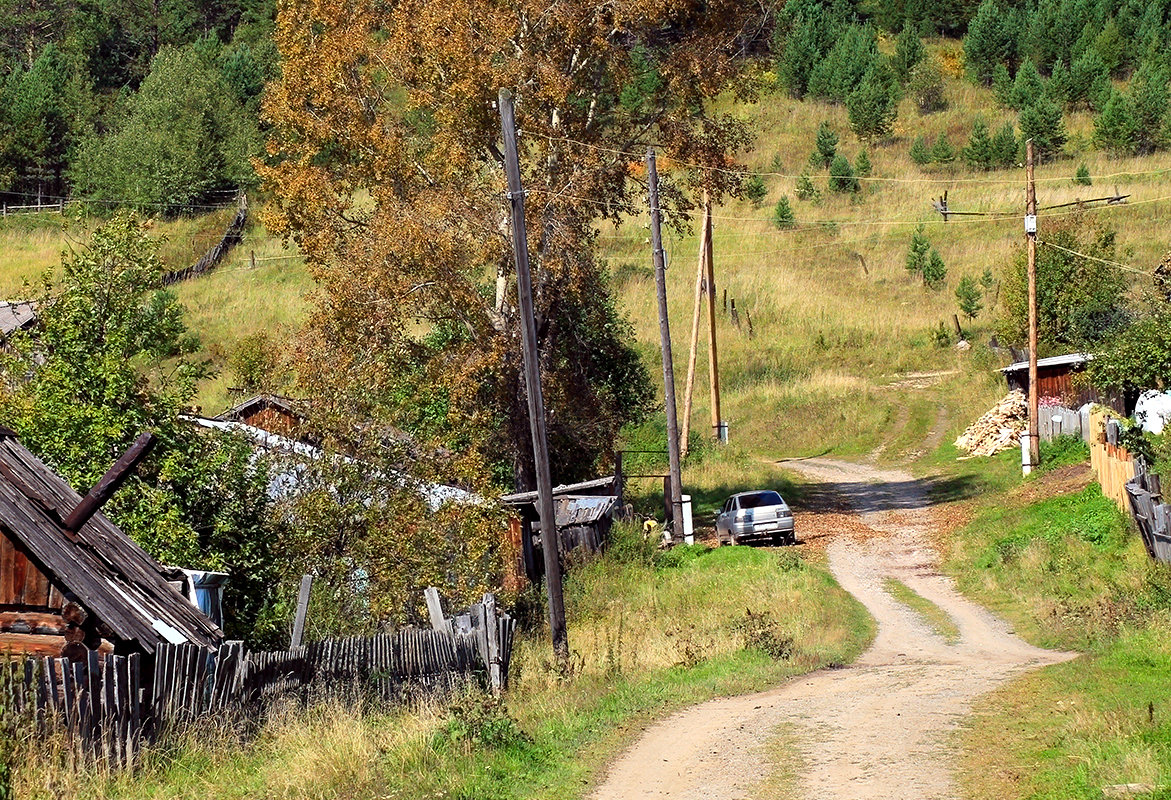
[[969, 298], [112, 358], [806, 190], [1116, 128], [841, 176], [920, 152], [783, 214], [1082, 176], [184, 135], [926, 87], [845, 66]]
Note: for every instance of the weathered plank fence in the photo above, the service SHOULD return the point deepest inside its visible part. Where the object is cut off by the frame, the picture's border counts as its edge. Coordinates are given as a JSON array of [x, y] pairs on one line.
[[1151, 515], [108, 707], [1112, 463], [1056, 421], [215, 255]]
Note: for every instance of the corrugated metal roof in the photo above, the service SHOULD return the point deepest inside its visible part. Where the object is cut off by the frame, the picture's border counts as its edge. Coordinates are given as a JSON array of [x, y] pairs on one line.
[[583, 510], [1052, 361], [524, 498]]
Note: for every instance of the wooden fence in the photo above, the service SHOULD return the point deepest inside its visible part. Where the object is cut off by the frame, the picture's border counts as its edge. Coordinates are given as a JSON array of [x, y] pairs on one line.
[[108, 707], [1112, 463], [1055, 421], [1151, 515], [215, 255]]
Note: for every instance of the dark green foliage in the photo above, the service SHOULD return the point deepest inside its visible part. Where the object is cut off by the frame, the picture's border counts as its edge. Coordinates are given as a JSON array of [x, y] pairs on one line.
[[1002, 84], [979, 152], [184, 136], [988, 43], [926, 87], [969, 298], [941, 336], [917, 254], [1137, 354], [934, 271], [920, 152], [1111, 47], [1082, 176], [806, 31], [783, 214], [826, 144], [873, 106], [640, 93], [806, 190], [841, 176], [1148, 94], [909, 51], [1116, 127], [754, 190], [1042, 122], [845, 67], [1005, 147], [111, 359], [1079, 301], [1089, 81], [862, 166], [1027, 88], [941, 151]]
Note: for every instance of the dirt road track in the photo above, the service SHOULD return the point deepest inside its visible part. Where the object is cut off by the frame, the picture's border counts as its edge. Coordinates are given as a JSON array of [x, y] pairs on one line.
[[876, 729]]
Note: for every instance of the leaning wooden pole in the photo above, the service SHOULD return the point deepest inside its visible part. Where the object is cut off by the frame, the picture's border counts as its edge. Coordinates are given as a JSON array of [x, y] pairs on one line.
[[550, 543], [665, 338], [700, 275], [712, 353], [1031, 249]]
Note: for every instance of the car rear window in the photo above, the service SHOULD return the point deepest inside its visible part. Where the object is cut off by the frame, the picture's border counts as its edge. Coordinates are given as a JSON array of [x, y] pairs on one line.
[[760, 499]]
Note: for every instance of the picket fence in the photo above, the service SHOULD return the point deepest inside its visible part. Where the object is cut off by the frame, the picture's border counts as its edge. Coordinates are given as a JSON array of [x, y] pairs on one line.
[[109, 707]]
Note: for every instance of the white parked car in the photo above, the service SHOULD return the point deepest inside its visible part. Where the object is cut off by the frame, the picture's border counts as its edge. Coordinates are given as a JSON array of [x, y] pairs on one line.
[[755, 515]]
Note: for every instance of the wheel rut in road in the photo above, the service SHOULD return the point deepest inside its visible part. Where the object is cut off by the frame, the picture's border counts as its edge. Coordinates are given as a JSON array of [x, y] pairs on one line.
[[878, 728]]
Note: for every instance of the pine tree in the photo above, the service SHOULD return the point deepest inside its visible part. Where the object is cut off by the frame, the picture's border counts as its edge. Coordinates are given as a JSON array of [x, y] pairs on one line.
[[841, 176], [1042, 123], [1087, 74], [827, 144], [942, 152], [979, 152], [987, 280], [909, 51], [1005, 147], [754, 190], [1148, 95], [917, 254], [934, 272], [1002, 85], [987, 42], [862, 165], [873, 106], [920, 152], [1111, 47], [1028, 86], [806, 190], [783, 214], [1116, 128], [1082, 177], [845, 66], [1060, 84], [969, 298]]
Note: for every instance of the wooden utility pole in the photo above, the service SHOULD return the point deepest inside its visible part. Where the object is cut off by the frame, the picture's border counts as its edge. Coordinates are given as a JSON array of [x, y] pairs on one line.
[[1031, 249], [665, 337], [712, 356], [550, 544], [701, 273]]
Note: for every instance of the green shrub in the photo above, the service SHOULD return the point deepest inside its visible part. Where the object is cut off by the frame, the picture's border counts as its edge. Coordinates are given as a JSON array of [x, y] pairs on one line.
[[1082, 177], [841, 176], [783, 214], [754, 190]]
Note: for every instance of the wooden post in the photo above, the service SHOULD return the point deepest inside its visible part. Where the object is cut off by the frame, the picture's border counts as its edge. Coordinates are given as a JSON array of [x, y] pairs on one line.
[[955, 318], [435, 611], [713, 359], [1031, 245], [701, 272], [302, 611], [665, 340], [619, 485], [520, 248]]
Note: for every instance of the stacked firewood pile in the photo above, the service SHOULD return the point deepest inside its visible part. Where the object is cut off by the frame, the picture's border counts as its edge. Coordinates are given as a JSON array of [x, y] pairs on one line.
[[999, 429]]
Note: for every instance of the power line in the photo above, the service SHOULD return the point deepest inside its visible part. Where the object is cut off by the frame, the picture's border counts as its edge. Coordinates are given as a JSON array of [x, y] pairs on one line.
[[1108, 262]]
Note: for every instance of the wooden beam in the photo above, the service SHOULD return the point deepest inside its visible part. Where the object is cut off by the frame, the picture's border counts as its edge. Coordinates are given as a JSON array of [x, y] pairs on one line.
[[104, 489], [302, 611]]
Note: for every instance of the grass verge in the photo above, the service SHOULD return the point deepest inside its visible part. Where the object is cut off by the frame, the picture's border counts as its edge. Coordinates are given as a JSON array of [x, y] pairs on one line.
[[1059, 561], [935, 617], [649, 633]]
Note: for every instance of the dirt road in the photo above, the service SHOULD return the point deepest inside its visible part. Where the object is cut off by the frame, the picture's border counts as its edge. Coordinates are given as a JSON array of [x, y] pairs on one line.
[[876, 729]]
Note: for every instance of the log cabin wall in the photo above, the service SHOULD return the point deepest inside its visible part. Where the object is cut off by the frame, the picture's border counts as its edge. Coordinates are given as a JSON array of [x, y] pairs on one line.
[[31, 607]]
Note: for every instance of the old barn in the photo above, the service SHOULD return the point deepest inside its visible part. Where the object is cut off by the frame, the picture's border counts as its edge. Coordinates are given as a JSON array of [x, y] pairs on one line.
[[70, 580], [1063, 378]]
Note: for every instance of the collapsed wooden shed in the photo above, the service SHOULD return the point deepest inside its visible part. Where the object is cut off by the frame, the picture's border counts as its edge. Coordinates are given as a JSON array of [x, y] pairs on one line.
[[16, 315], [270, 412], [585, 514], [70, 580]]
